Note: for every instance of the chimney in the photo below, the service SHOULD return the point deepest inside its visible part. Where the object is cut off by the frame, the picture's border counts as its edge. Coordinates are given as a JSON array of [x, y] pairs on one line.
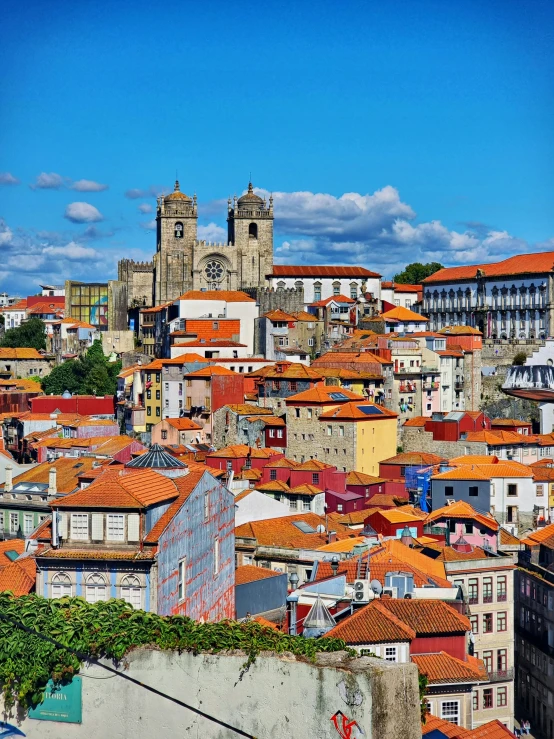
[[52, 481], [8, 485], [332, 537]]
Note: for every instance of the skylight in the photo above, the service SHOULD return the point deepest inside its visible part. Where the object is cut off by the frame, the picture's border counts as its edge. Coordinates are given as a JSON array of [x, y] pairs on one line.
[[370, 410], [304, 527], [338, 396]]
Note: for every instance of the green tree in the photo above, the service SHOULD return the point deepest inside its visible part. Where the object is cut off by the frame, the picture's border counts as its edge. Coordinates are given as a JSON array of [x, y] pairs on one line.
[[519, 359], [416, 272], [91, 375], [30, 334], [63, 377]]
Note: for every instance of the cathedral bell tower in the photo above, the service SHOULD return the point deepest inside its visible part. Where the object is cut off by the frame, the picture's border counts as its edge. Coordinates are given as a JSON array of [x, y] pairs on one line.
[[250, 229], [176, 229]]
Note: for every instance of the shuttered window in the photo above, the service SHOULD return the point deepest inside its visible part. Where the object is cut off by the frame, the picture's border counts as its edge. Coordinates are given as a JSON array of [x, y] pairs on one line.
[[115, 527], [79, 525], [97, 526], [133, 527], [62, 525]]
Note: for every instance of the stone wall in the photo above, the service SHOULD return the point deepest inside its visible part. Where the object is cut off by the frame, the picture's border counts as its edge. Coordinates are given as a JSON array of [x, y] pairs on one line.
[[138, 276], [307, 437], [290, 300], [278, 697], [418, 440]]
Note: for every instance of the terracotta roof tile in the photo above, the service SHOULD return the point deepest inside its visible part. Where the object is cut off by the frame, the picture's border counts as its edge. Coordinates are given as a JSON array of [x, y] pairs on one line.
[[292, 371], [354, 518], [378, 569], [507, 538], [285, 270], [395, 548], [537, 263], [208, 343], [350, 358], [360, 478], [313, 465], [306, 489], [485, 471], [238, 451], [282, 532], [282, 463], [248, 409], [442, 668], [334, 299], [279, 315], [428, 617], [251, 573], [323, 395], [19, 353], [19, 577], [491, 730], [396, 515], [365, 411], [135, 554], [399, 313], [10, 545], [473, 459], [68, 469], [452, 731], [183, 424], [185, 486], [463, 510], [372, 624], [416, 422], [274, 486], [343, 545], [413, 458], [264, 622]]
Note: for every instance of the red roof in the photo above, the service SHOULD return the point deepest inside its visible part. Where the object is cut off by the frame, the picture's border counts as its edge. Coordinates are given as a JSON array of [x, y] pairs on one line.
[[251, 573], [284, 270], [334, 299], [443, 668], [372, 624], [428, 617], [540, 263], [228, 296]]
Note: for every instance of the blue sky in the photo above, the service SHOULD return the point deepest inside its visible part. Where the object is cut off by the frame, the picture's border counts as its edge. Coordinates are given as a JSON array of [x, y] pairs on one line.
[[389, 132]]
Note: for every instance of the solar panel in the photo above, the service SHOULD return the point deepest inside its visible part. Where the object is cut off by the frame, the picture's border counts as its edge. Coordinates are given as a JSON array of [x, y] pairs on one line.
[[338, 396], [370, 410], [304, 527]]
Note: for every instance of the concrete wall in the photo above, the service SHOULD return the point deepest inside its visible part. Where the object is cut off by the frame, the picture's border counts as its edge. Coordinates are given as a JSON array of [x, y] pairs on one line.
[[277, 698], [261, 596], [418, 440], [481, 501]]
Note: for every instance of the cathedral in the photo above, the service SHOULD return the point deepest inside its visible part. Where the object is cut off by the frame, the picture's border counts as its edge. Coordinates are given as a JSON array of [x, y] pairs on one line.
[[183, 263]]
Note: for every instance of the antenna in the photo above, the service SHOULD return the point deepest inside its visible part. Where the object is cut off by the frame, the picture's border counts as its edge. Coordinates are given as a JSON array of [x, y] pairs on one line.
[[376, 586], [320, 529]]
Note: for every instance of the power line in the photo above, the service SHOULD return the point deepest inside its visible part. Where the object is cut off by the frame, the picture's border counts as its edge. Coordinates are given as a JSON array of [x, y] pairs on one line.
[[87, 658]]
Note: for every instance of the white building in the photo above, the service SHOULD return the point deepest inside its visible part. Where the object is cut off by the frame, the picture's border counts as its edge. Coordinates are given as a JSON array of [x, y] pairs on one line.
[[320, 283], [15, 314], [401, 295]]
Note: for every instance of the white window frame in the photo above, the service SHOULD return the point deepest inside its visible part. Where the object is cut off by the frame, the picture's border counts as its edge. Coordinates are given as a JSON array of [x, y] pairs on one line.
[[181, 579], [80, 526], [96, 588], [115, 527], [450, 710], [131, 592], [14, 523], [61, 586], [391, 654], [27, 523]]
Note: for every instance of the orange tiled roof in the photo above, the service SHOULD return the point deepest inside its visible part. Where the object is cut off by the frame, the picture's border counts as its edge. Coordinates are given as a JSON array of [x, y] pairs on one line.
[[413, 458], [355, 412], [228, 296], [515, 422], [334, 299], [538, 263], [10, 545], [360, 478], [207, 343], [19, 353], [279, 315], [343, 545], [461, 509], [281, 532], [273, 486], [537, 537], [379, 567], [350, 358], [210, 372], [114, 445], [282, 463], [267, 420], [185, 486], [384, 499], [473, 459], [491, 730], [443, 668], [452, 731], [108, 554], [155, 309], [237, 451], [19, 577], [507, 538], [372, 624], [306, 489], [183, 424], [355, 518], [416, 422], [396, 515], [291, 371], [322, 395], [303, 315], [264, 622], [67, 469], [395, 548], [496, 438], [248, 409], [313, 465], [399, 313], [428, 617], [485, 471], [251, 573]]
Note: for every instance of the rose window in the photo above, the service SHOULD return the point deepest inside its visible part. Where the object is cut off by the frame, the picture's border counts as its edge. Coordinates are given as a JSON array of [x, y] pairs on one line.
[[214, 271]]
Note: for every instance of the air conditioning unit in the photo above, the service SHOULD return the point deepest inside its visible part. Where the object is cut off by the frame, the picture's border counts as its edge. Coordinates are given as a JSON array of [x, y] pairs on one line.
[[362, 591], [392, 592], [408, 596]]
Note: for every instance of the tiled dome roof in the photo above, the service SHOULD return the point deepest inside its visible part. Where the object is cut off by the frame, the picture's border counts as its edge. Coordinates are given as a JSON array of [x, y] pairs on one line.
[[176, 194], [250, 197], [156, 458]]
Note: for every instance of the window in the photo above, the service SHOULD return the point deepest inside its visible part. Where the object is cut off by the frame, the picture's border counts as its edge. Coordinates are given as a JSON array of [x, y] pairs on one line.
[[540, 488], [131, 591], [487, 698], [181, 579], [279, 433], [329, 430], [252, 230], [501, 588], [473, 490], [206, 506], [149, 410], [336, 288], [450, 711], [297, 412], [27, 523], [61, 585], [512, 489], [502, 696], [315, 478], [502, 660], [501, 621], [96, 589], [178, 230], [116, 527], [512, 514], [487, 590], [310, 412], [317, 291], [474, 621], [473, 590], [306, 504], [216, 555], [293, 503], [311, 341], [79, 525], [487, 623], [14, 523], [390, 654], [293, 384], [272, 474], [158, 396], [449, 491], [271, 432], [476, 701], [341, 430], [487, 660], [158, 411], [164, 434]]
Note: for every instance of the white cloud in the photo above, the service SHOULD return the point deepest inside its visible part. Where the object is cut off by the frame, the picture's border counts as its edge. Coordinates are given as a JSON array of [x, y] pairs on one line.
[[149, 225], [49, 181], [7, 178], [6, 234], [82, 213], [88, 186], [151, 192], [72, 251], [212, 233], [145, 208]]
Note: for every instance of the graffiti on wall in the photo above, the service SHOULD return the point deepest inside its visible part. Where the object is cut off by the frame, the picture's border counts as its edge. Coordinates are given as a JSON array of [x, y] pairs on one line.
[[346, 729]]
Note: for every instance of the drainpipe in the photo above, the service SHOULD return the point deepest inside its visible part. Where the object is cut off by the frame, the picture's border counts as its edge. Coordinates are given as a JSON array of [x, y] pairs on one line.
[[52, 489]]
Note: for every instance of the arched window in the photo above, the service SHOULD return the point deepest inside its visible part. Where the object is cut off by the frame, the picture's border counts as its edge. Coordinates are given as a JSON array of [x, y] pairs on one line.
[[253, 231], [178, 230], [61, 585], [336, 287], [96, 588], [131, 591], [299, 285], [280, 285], [354, 290]]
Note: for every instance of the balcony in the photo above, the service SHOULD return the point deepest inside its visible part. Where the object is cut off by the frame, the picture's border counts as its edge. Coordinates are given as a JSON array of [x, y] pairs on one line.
[[473, 600], [487, 598], [501, 597], [459, 385], [500, 676]]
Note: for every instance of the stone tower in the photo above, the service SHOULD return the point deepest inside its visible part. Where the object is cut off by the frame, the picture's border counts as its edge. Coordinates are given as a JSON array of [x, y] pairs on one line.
[[250, 229], [176, 221]]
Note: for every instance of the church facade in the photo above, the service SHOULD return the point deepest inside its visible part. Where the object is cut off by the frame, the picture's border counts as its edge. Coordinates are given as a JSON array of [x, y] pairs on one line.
[[183, 263]]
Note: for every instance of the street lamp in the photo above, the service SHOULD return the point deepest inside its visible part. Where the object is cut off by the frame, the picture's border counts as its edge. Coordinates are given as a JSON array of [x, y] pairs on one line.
[[293, 579], [334, 564]]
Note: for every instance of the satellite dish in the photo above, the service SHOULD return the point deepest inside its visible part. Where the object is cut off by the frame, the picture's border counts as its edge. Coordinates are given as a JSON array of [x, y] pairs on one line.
[[320, 529], [376, 586]]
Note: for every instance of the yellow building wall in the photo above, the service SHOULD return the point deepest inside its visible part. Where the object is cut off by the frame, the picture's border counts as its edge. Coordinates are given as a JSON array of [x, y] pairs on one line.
[[375, 440], [153, 404]]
